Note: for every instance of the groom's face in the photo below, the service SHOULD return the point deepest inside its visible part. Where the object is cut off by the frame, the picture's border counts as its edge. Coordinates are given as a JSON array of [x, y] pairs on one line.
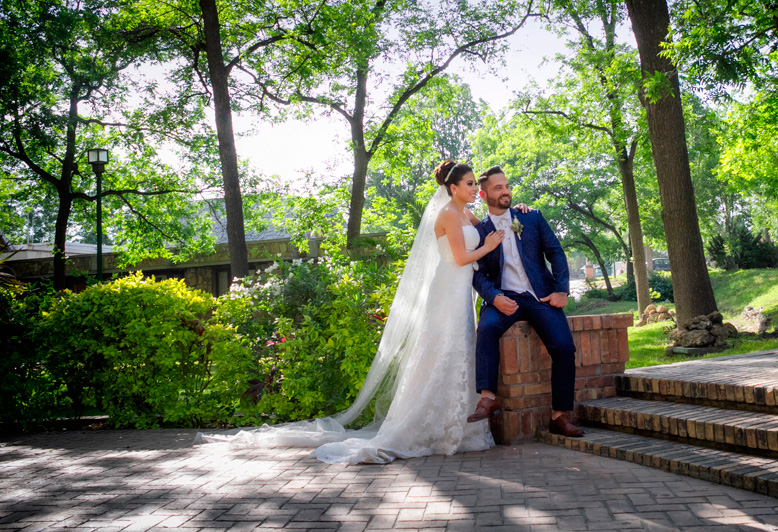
[[497, 193]]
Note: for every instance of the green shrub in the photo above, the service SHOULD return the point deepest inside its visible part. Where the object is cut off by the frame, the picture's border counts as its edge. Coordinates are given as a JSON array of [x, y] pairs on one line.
[[28, 395], [660, 287], [146, 353], [742, 249], [314, 329]]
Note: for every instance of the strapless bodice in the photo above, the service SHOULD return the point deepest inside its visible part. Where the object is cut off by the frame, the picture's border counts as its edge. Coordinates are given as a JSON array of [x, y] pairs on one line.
[[472, 239]]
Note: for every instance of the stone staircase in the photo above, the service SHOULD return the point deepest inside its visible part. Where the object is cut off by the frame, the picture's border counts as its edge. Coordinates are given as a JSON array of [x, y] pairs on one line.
[[714, 419]]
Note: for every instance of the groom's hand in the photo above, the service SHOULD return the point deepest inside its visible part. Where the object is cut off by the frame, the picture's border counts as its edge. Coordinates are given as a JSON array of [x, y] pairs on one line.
[[556, 299], [505, 305]]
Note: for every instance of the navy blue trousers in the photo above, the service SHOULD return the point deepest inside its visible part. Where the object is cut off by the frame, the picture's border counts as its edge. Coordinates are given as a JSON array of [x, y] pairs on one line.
[[551, 325]]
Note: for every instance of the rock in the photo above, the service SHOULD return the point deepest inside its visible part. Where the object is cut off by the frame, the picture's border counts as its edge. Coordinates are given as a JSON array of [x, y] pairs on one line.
[[649, 308], [697, 338], [661, 309], [664, 316], [700, 323], [715, 317], [733, 332]]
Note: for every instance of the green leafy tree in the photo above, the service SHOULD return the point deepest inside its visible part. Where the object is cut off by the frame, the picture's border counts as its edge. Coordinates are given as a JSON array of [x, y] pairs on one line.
[[568, 176], [434, 125], [661, 97], [63, 91], [726, 42], [214, 52], [375, 55], [595, 97]]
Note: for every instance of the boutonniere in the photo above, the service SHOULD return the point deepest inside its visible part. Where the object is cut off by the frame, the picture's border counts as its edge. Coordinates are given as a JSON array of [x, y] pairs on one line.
[[517, 226]]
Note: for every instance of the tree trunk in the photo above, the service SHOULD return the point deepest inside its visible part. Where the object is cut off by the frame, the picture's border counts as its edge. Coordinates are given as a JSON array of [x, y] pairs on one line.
[[635, 230], [361, 159], [233, 200], [598, 257], [60, 236], [691, 283]]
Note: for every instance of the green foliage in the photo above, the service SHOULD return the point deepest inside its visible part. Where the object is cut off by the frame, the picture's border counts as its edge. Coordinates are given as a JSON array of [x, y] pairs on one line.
[[314, 328], [742, 249], [27, 393], [144, 352], [724, 43], [660, 287]]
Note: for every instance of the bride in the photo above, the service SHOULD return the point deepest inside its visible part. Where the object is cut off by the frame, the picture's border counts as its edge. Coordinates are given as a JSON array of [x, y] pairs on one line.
[[422, 377]]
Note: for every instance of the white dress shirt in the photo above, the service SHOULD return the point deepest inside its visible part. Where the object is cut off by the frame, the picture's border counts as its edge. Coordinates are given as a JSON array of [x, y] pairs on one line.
[[514, 278]]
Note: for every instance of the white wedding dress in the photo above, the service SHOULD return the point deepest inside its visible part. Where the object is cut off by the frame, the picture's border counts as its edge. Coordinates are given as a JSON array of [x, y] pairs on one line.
[[424, 370]]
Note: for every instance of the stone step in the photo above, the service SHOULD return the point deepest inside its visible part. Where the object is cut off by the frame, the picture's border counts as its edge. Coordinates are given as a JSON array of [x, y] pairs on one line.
[[743, 382], [748, 432], [758, 474]]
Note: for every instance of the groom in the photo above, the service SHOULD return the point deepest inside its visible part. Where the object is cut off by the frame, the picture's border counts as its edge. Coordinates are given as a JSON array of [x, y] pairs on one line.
[[515, 285]]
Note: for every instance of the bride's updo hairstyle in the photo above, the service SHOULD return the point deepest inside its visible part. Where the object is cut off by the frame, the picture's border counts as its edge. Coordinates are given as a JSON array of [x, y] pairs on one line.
[[450, 173]]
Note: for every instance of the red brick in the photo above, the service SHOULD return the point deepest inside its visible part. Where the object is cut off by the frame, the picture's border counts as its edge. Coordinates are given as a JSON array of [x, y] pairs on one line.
[[534, 353], [509, 356], [545, 375], [527, 426], [524, 354], [545, 360], [607, 321], [505, 427], [623, 340], [537, 389], [509, 380], [586, 353], [577, 323], [585, 395], [596, 350], [587, 323], [586, 371], [613, 344], [616, 368], [530, 377], [522, 403], [622, 321], [605, 352], [599, 382], [509, 391], [596, 322]]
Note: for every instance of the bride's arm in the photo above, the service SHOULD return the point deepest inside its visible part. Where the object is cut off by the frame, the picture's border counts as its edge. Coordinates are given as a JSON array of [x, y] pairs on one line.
[[451, 224]]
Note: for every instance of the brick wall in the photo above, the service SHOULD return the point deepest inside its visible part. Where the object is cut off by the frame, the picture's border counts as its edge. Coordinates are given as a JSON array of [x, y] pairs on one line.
[[525, 371]]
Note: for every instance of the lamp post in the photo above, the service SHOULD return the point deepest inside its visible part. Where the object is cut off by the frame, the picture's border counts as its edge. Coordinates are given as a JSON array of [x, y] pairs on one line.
[[98, 158]]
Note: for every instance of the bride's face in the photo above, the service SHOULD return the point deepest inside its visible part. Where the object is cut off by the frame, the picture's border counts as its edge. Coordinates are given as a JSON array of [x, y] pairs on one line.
[[497, 192], [467, 188]]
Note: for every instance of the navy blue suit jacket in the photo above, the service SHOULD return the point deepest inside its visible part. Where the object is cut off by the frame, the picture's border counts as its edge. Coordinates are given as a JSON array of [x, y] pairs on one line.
[[537, 244]]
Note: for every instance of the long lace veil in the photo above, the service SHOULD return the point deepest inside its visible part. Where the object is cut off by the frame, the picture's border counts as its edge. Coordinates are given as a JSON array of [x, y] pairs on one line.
[[401, 331]]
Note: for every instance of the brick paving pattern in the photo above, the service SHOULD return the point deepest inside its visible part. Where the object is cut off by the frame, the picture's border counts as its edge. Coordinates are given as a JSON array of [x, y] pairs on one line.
[[713, 419], [750, 380], [157, 480]]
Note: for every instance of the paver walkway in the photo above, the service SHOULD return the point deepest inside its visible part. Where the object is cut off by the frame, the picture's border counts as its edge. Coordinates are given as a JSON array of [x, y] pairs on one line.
[[152, 480]]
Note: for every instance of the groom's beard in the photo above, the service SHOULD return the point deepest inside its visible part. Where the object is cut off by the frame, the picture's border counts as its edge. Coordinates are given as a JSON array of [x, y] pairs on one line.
[[500, 202]]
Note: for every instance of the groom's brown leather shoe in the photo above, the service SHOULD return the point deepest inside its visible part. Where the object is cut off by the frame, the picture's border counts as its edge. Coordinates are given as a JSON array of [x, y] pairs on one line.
[[562, 425], [485, 408]]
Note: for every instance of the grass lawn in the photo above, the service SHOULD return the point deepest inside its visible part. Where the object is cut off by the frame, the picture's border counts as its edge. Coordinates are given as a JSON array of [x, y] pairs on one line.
[[733, 290]]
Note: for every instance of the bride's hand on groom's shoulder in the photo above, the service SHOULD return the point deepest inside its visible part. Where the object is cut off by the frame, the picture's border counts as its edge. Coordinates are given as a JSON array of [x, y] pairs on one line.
[[523, 208]]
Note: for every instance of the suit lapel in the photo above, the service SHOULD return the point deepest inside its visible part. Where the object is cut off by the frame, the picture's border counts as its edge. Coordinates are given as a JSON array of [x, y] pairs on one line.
[[516, 238], [489, 227]]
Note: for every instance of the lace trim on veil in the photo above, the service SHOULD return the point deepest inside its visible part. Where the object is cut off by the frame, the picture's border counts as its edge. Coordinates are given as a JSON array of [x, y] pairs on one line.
[[400, 333]]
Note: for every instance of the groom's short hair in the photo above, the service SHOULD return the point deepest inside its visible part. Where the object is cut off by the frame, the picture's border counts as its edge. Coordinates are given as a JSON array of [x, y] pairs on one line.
[[484, 177]]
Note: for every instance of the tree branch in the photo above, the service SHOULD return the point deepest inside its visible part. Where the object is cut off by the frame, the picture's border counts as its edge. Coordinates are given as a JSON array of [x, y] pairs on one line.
[[420, 84], [570, 119]]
